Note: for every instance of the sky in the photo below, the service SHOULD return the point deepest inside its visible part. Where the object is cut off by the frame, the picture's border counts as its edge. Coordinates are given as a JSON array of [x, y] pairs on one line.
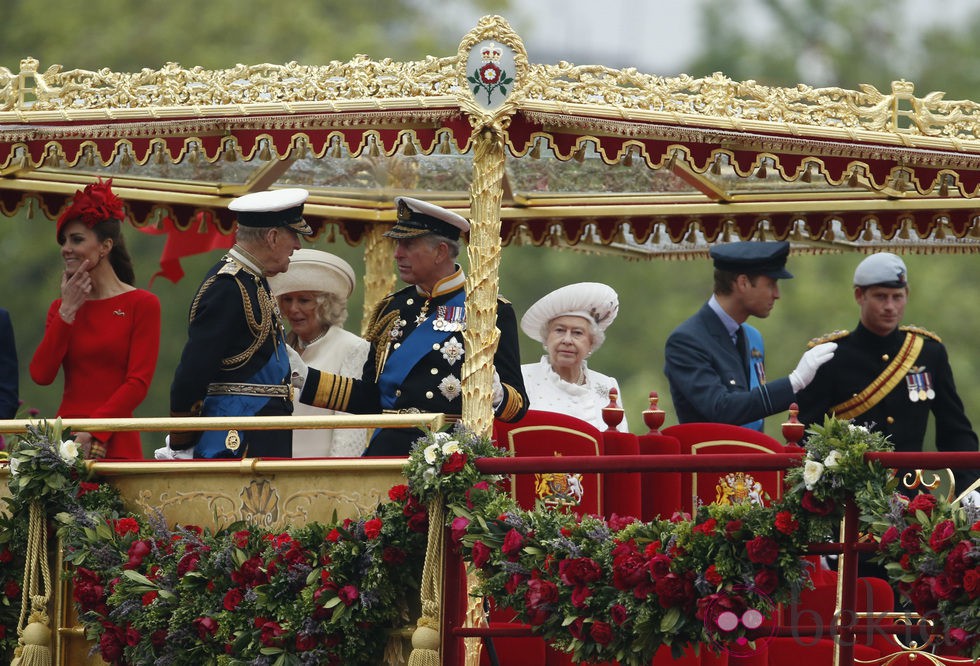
[[655, 36]]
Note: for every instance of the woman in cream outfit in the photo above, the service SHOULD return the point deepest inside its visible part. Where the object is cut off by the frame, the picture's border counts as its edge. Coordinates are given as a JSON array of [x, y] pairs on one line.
[[312, 297], [571, 322]]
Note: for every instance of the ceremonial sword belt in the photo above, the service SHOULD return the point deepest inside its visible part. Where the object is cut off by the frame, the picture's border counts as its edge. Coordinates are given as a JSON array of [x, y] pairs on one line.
[[240, 388]]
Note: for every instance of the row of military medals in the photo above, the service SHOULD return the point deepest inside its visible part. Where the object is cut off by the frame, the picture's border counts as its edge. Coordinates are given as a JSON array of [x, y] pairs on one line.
[[919, 384], [449, 318]]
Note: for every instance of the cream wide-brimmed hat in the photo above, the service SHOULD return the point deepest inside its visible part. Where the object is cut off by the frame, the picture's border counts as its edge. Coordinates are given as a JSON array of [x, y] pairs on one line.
[[594, 301], [314, 270]]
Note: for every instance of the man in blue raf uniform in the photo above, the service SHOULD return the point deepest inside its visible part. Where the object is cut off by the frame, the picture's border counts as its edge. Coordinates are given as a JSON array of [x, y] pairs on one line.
[[416, 337], [887, 376], [234, 362], [715, 362]]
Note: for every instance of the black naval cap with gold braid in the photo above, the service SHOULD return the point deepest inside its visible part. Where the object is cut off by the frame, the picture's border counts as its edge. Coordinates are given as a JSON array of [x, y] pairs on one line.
[[418, 218]]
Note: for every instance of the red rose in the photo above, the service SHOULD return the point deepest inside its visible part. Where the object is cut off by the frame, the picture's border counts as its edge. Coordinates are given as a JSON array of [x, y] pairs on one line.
[[712, 576], [372, 528], [458, 527], [398, 493], [785, 522], [5, 555], [579, 571], [733, 528], [513, 543], [86, 487], [909, 539], [941, 535], [419, 522], [539, 599], [348, 594], [675, 591], [660, 565], [270, 632], [971, 583], [601, 633], [580, 596], [111, 644], [943, 588], [888, 538], [334, 535], [478, 489], [958, 560], [149, 597], [454, 463], [815, 505], [766, 581], [305, 642], [206, 627], [514, 582], [762, 550], [618, 613], [480, 554], [188, 563], [240, 538], [707, 527], [233, 597], [124, 526], [629, 570], [923, 502], [137, 551], [11, 589], [576, 628], [618, 523]]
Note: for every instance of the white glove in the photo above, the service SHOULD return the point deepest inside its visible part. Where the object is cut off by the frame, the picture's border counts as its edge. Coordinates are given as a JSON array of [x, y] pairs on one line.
[[973, 499], [806, 370], [299, 368], [498, 390], [167, 453]]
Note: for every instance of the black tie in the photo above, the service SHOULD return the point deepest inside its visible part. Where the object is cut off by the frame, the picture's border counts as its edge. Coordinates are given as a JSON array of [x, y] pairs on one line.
[[742, 353]]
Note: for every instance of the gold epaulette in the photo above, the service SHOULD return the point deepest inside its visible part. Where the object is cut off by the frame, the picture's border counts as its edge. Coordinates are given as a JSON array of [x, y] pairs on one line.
[[918, 330], [502, 299], [829, 337]]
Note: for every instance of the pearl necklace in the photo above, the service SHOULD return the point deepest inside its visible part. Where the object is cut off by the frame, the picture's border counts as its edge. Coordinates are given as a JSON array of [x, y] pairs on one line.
[[302, 344]]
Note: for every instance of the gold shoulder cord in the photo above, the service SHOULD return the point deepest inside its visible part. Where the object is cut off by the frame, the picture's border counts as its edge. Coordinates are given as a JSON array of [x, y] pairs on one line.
[[260, 328]]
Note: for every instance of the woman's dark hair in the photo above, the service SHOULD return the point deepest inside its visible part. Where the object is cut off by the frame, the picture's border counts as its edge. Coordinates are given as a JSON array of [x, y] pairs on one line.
[[119, 257]]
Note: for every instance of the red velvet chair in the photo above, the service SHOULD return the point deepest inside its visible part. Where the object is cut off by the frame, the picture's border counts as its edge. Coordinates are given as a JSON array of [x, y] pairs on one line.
[[542, 433], [713, 487]]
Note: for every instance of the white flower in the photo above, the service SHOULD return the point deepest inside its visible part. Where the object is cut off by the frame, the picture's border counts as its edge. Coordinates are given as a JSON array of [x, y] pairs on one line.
[[858, 429], [450, 448], [68, 451], [429, 474], [14, 464], [812, 471], [431, 453], [832, 461], [441, 437]]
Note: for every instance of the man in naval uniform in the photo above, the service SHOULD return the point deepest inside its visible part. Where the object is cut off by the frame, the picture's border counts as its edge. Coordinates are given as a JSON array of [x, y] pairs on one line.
[[416, 335], [235, 362], [887, 376], [715, 362]]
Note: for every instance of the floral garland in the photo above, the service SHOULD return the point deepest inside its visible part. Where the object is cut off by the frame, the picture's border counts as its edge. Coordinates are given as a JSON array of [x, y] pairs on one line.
[[615, 589], [147, 593]]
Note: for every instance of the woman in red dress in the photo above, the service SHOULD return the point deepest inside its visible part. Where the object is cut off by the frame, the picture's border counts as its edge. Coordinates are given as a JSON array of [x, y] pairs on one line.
[[103, 331]]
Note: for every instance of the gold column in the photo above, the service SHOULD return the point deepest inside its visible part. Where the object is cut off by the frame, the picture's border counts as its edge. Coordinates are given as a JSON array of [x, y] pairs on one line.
[[379, 280]]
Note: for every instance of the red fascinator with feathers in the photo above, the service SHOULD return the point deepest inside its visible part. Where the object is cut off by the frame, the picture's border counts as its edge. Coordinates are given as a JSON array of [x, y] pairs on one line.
[[96, 203]]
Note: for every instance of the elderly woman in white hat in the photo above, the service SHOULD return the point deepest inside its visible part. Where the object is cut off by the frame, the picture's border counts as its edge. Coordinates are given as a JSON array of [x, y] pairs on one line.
[[312, 296], [571, 322]]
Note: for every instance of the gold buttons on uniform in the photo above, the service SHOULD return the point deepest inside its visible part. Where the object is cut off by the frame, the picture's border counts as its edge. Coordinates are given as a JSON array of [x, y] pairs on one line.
[[410, 301], [434, 371], [428, 394], [436, 346], [884, 357], [397, 345], [398, 392], [890, 420]]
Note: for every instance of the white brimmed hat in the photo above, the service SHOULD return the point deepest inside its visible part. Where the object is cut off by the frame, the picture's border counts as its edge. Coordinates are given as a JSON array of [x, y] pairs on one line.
[[273, 208], [314, 270], [418, 218], [594, 301], [882, 269]]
